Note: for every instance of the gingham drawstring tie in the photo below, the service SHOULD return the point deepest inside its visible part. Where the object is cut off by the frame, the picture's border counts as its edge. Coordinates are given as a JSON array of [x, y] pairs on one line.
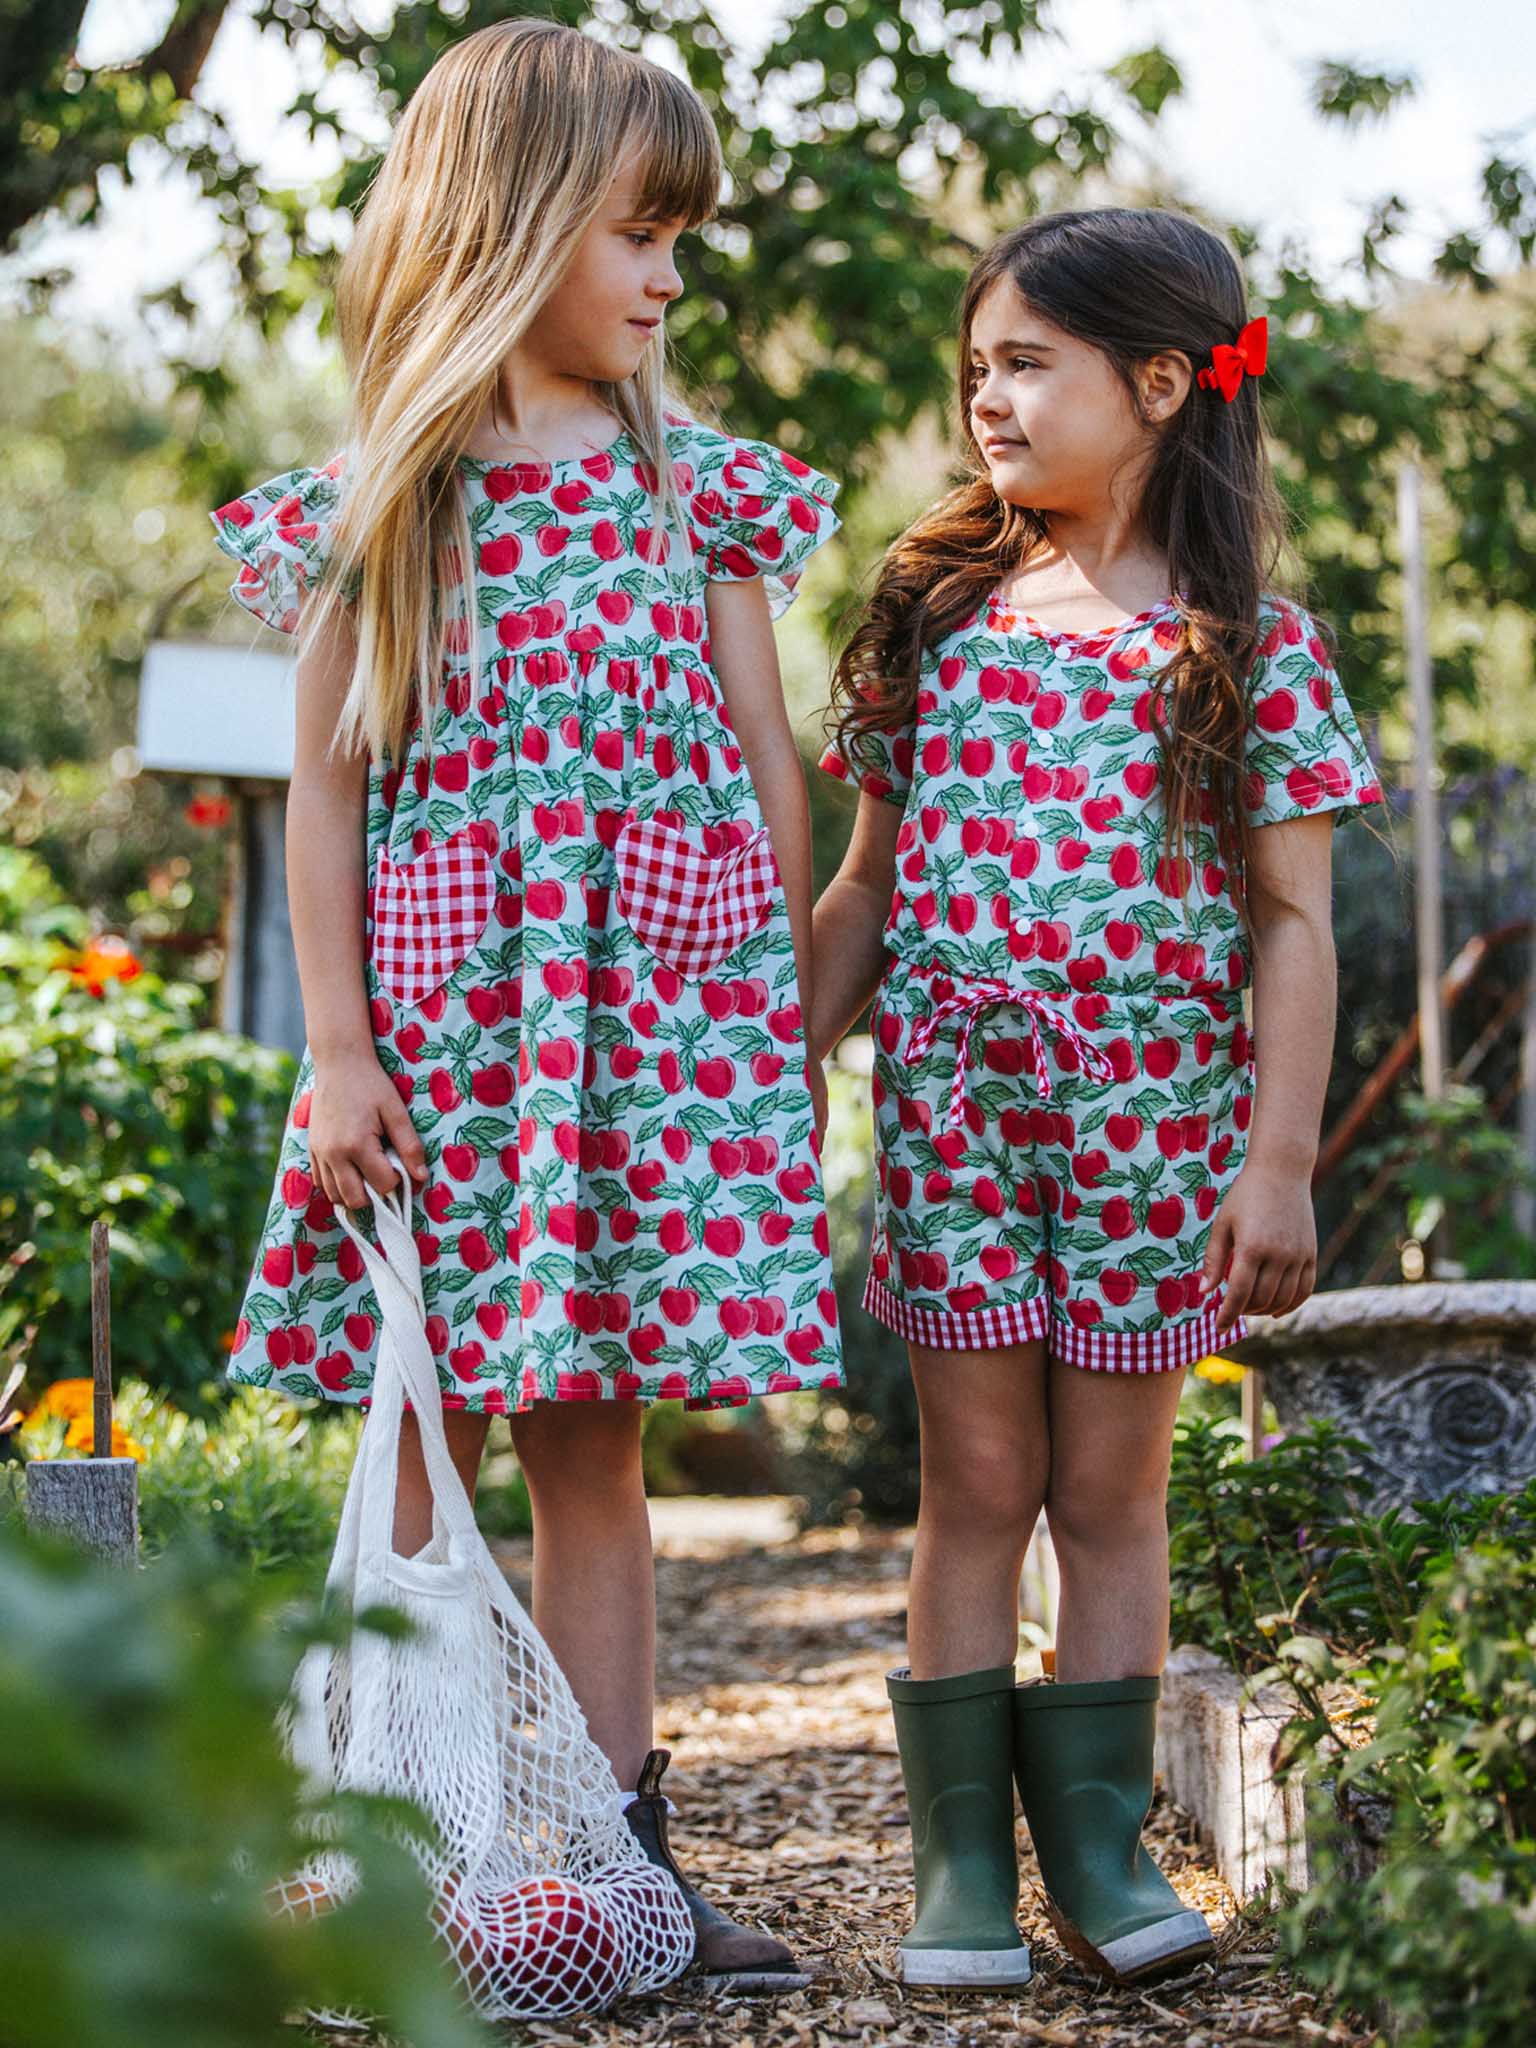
[[985, 993]]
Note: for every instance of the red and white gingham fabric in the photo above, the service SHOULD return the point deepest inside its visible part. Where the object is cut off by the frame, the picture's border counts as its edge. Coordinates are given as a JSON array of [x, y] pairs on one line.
[[983, 993], [428, 913], [692, 907], [992, 1327]]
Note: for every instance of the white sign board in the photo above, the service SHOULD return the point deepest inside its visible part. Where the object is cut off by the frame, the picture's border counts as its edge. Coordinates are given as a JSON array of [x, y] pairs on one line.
[[212, 709]]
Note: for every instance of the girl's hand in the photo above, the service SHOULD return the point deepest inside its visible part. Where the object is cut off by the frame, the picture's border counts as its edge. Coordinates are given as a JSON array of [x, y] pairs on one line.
[[816, 1075], [356, 1111], [1266, 1228]]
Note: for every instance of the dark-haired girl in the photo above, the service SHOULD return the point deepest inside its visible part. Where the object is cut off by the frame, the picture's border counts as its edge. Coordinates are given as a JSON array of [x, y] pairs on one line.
[[1100, 760]]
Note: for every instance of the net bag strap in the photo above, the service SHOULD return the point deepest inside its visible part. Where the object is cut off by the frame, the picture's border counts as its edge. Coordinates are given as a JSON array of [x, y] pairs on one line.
[[404, 1369]]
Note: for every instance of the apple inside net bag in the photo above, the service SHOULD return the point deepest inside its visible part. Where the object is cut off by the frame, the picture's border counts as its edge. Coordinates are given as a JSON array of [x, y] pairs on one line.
[[542, 1897]]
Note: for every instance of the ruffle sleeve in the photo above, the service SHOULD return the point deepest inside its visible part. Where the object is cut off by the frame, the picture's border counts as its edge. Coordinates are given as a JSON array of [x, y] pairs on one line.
[[1304, 751], [280, 535], [758, 511]]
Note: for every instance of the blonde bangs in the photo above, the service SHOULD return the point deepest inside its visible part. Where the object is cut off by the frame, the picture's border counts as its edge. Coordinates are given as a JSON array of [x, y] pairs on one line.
[[680, 165]]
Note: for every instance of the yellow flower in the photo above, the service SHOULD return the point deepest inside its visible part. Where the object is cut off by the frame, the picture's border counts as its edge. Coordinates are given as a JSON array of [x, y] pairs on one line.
[[81, 1436], [1221, 1372]]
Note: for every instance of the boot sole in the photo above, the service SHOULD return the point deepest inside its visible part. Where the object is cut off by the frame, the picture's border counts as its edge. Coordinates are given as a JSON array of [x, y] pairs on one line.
[[1182, 1939], [959, 1967]]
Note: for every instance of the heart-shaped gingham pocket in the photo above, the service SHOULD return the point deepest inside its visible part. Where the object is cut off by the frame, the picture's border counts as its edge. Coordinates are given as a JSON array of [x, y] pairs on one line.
[[690, 906], [428, 913]]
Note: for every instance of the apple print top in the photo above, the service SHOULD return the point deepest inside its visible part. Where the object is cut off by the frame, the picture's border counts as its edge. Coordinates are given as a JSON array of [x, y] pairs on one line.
[[1062, 1081], [1030, 846], [579, 963]]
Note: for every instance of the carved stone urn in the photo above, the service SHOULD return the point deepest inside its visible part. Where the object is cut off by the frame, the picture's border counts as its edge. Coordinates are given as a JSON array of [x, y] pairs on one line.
[[1439, 1379]]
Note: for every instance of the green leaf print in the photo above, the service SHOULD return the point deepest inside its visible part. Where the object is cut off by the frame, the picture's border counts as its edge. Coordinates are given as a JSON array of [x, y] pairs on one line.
[[444, 818], [764, 1357], [699, 1120], [1149, 1262], [263, 1312]]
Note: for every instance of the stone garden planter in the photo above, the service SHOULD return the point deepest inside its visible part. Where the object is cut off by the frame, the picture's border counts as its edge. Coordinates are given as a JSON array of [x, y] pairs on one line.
[[1438, 1379]]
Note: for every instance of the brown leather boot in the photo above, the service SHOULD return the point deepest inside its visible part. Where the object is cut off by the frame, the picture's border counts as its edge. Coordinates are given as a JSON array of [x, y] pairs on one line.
[[731, 1957]]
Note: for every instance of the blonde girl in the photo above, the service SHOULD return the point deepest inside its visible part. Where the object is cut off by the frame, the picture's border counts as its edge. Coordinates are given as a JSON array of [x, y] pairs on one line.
[[548, 846]]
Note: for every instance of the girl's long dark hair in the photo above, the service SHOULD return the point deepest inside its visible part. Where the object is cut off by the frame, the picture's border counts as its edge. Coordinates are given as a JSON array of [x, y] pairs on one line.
[[1132, 284]]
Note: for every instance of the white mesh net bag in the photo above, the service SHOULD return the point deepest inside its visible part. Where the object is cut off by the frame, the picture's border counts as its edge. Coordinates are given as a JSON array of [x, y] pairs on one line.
[[541, 1895]]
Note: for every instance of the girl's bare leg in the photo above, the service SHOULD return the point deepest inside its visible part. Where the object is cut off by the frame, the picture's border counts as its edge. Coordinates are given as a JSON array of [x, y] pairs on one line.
[[985, 1461], [1111, 1439], [594, 1587]]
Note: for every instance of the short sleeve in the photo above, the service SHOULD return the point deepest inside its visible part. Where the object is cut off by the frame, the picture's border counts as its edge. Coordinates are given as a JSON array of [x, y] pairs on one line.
[[280, 535], [758, 511], [1304, 751], [882, 765]]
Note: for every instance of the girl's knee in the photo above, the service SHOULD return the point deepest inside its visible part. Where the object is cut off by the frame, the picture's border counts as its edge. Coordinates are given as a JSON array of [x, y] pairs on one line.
[[990, 1491], [592, 1447]]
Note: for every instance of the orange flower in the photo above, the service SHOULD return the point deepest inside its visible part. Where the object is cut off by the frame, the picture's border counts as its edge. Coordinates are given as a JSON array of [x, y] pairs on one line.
[[106, 958], [69, 1398], [81, 1436]]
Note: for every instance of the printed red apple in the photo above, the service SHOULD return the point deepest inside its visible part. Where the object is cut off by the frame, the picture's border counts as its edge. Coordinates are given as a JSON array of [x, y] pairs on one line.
[[1166, 1218]]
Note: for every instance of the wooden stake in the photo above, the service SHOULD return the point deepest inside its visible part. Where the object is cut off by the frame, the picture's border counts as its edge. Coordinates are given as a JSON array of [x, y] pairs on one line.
[[1428, 918], [1428, 913], [101, 1342], [93, 1501]]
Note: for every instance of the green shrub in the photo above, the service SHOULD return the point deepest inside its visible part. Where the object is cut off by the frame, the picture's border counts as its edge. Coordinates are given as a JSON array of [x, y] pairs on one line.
[[1283, 1547], [1441, 1936], [144, 1806], [119, 1105]]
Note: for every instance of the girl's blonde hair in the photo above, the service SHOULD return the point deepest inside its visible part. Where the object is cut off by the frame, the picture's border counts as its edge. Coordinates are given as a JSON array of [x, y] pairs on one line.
[[499, 165]]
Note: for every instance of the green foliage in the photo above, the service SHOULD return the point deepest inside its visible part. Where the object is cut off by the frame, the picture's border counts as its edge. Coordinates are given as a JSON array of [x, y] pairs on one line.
[[1454, 1170], [263, 1482], [120, 1106], [1441, 1935], [1282, 1551], [1408, 1640], [144, 1806]]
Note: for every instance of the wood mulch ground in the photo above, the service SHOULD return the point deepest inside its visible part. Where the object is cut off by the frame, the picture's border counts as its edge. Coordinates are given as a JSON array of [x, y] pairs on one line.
[[773, 1654]]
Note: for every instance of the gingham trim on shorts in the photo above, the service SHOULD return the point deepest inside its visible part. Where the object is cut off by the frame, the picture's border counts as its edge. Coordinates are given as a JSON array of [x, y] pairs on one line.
[[1028, 1322]]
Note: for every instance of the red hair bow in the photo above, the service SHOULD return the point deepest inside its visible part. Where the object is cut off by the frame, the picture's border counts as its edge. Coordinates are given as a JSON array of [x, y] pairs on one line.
[[1230, 361]]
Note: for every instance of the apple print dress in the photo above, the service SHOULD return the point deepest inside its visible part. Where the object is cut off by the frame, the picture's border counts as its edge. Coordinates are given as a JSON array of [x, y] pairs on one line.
[[1063, 1080], [579, 962]]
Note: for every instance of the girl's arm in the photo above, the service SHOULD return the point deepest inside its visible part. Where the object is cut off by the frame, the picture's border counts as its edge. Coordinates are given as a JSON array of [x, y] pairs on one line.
[[1265, 1225], [849, 923], [356, 1107], [747, 662]]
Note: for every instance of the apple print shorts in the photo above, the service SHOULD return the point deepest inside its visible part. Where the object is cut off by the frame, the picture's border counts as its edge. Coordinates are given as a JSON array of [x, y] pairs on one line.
[[1048, 1167]]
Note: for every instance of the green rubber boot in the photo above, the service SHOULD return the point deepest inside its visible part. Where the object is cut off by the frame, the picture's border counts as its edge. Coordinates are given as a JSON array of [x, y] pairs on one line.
[[1083, 1760], [955, 1736]]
